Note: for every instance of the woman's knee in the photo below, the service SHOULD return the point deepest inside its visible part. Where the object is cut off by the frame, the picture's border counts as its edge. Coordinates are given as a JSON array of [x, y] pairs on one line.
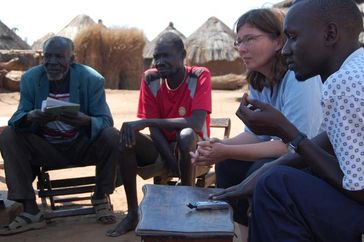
[[231, 172]]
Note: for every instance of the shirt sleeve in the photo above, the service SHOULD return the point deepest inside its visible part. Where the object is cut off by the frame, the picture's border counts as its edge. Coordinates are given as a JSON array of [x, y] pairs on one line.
[[345, 128], [202, 97], [301, 104], [253, 94], [147, 106]]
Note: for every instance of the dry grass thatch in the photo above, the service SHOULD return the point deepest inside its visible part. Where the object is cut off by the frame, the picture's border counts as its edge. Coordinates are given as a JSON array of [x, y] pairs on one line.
[[284, 5], [211, 45], [211, 42], [288, 3], [115, 53], [38, 44], [10, 40], [77, 24]]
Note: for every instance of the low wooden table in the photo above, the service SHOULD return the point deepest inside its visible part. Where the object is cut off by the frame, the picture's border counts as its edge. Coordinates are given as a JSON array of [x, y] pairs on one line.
[[164, 216]]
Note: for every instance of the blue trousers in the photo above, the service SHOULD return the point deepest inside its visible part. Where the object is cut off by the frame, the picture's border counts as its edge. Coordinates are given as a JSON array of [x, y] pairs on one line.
[[232, 172], [292, 205]]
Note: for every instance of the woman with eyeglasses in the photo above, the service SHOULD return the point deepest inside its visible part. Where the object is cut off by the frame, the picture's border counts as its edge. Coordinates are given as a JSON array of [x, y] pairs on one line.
[[260, 39]]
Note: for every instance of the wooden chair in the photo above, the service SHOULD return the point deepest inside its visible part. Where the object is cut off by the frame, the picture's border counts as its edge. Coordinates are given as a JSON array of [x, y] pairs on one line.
[[65, 191], [205, 176]]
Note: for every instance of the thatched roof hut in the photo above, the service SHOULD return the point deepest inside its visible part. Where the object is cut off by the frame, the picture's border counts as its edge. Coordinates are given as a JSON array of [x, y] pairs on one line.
[[77, 24], [211, 45], [10, 40], [149, 47], [38, 44]]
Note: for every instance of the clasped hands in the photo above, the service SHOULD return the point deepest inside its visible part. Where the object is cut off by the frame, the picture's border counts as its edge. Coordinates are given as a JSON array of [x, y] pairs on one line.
[[208, 152]]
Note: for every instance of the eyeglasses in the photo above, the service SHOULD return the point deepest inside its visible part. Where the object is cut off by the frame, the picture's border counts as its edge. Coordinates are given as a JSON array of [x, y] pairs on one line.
[[247, 40]]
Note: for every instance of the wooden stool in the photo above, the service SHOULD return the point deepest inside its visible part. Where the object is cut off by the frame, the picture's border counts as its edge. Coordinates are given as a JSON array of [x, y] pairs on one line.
[[164, 216]]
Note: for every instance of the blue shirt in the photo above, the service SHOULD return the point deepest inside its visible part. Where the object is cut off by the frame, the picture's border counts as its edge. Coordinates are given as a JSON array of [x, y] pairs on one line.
[[299, 101]]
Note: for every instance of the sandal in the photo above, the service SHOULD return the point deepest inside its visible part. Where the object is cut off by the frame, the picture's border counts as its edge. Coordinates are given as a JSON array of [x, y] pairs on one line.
[[24, 222], [104, 211]]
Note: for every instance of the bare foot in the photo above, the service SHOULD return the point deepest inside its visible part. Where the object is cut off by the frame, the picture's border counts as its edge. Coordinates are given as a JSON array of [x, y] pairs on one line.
[[127, 224]]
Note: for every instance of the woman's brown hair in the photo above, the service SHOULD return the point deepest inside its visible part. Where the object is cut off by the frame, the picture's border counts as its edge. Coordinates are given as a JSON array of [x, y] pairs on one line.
[[269, 21]]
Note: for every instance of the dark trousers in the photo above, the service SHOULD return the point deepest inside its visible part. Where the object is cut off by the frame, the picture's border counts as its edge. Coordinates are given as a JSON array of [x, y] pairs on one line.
[[24, 153], [292, 205], [232, 172]]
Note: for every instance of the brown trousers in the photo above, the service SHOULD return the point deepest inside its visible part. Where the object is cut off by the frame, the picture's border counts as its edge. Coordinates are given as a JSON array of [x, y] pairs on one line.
[[24, 153]]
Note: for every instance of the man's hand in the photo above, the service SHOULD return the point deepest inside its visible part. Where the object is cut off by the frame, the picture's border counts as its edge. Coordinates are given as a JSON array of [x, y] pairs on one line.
[[76, 120], [264, 119], [243, 189], [37, 116], [127, 132], [207, 153]]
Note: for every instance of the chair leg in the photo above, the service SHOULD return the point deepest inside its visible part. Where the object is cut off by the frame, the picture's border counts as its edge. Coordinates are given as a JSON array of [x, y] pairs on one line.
[[41, 188], [49, 188]]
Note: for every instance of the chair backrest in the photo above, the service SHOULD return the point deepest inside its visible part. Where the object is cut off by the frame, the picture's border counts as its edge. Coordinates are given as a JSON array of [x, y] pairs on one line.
[[224, 123]]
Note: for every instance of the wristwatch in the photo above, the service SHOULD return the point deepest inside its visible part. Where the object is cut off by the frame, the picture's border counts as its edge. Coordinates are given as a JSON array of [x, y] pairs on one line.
[[293, 144]]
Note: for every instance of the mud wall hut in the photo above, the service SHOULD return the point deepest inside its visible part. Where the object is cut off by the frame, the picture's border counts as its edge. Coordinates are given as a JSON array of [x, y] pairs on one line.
[[15, 58]]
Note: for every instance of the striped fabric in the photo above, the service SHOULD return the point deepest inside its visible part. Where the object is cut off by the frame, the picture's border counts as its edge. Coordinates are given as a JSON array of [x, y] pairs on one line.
[[57, 132]]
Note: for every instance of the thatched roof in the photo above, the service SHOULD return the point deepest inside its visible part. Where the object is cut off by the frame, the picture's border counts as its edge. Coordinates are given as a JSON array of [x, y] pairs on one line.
[[38, 44], [288, 3], [77, 24], [10, 40], [149, 47], [283, 4], [213, 41]]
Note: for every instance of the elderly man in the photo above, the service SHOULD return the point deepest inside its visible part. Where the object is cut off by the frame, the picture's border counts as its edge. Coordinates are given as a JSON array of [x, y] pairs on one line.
[[35, 138]]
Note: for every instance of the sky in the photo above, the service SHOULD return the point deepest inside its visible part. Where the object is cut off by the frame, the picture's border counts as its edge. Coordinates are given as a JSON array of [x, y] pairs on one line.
[[35, 18]]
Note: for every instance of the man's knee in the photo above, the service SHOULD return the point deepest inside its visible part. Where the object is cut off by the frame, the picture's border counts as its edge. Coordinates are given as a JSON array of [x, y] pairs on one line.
[[187, 139], [110, 137], [7, 136], [276, 179]]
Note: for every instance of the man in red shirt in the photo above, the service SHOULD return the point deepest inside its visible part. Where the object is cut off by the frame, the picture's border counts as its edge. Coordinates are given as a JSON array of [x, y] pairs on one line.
[[174, 103]]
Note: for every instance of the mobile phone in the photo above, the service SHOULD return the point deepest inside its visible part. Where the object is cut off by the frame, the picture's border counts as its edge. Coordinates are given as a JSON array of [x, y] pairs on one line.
[[208, 204]]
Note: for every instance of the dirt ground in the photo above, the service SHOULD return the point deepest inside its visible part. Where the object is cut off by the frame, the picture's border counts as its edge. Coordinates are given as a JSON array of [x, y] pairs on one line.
[[123, 104]]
